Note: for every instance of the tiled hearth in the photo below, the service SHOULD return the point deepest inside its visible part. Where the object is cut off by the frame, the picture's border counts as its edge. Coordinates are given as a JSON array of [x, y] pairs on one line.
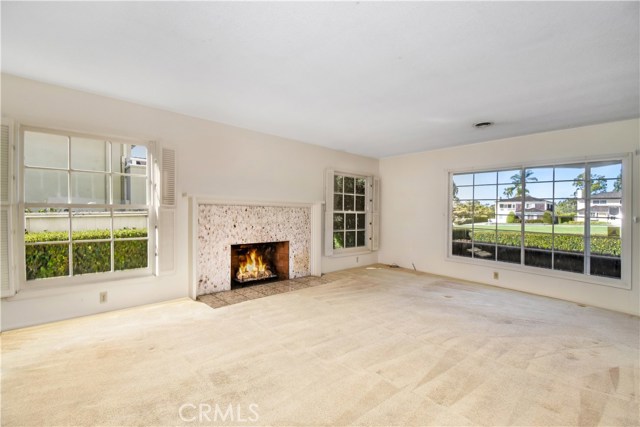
[[221, 299]]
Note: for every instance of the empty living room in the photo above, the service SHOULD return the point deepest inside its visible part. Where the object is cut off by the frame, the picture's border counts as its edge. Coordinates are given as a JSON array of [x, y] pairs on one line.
[[320, 213]]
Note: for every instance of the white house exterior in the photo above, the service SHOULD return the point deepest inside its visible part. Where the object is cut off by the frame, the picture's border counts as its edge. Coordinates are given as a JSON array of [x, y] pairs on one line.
[[534, 208], [606, 206]]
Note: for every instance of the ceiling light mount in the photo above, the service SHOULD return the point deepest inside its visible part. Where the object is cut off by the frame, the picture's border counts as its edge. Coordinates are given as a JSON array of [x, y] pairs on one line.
[[482, 125]]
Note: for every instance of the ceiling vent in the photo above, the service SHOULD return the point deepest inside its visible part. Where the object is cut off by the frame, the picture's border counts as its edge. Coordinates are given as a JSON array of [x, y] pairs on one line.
[[482, 125]]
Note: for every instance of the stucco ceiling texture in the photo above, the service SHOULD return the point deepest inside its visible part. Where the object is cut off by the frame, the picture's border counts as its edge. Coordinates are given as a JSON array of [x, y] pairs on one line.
[[377, 79]]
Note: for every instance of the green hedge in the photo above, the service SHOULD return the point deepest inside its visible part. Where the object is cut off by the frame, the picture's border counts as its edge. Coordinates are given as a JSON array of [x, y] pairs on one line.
[[562, 242], [52, 260]]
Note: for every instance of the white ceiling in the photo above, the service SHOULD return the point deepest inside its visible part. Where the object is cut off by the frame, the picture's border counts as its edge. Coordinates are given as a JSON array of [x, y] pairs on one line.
[[377, 79]]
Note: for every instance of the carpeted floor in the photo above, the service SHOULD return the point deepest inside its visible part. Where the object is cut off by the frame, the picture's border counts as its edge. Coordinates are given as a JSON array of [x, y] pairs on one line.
[[369, 347]]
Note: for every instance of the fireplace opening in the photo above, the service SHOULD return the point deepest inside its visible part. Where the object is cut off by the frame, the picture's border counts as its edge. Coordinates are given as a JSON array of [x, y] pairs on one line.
[[256, 263]]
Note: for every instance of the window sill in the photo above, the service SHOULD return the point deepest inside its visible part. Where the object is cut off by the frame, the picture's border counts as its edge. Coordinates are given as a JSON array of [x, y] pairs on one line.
[[575, 277], [350, 252], [67, 285]]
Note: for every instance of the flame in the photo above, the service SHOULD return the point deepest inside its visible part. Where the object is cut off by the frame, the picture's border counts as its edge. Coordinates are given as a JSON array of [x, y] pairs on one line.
[[253, 267]]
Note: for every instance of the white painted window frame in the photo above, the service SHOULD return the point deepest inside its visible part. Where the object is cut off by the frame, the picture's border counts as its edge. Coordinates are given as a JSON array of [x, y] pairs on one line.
[[372, 203], [627, 224], [21, 205]]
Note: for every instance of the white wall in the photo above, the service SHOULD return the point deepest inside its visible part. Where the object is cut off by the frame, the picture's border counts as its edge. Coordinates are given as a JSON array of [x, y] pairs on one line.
[[414, 208], [216, 160]]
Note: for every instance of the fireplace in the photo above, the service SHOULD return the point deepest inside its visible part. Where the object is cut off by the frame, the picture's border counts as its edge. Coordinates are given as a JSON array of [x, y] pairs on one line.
[[255, 263], [221, 224]]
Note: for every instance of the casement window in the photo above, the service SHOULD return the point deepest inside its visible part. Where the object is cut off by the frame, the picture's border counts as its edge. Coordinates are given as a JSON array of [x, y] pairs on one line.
[[352, 217], [567, 226], [85, 206]]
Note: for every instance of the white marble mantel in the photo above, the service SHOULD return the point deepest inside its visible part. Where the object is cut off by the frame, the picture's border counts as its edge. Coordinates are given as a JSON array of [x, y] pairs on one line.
[[218, 224]]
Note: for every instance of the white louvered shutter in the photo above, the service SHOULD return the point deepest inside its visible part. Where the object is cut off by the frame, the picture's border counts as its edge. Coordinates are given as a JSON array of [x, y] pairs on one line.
[[375, 215], [168, 181], [167, 212], [328, 213], [6, 282]]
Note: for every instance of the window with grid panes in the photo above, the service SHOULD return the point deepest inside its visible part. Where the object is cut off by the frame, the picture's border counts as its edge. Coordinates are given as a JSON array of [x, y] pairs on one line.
[[564, 217], [86, 205], [349, 211]]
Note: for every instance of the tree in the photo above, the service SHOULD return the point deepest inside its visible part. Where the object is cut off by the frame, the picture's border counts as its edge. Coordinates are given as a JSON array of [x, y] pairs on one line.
[[617, 185], [567, 207], [512, 218], [455, 193], [516, 187], [547, 217], [598, 184], [467, 212]]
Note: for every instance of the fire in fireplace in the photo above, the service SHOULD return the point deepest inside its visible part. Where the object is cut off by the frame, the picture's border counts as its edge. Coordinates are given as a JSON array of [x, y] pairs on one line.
[[258, 262], [253, 267]]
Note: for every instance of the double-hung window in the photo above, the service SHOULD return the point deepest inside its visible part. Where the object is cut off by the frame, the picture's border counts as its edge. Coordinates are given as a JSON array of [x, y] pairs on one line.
[[349, 212], [352, 213], [570, 217], [86, 205]]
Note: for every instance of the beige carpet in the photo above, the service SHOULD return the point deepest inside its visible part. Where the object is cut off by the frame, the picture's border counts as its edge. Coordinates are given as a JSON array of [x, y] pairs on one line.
[[371, 347]]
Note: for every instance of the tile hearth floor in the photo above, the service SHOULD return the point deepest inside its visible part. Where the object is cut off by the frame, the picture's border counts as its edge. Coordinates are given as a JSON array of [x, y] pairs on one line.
[[234, 296]]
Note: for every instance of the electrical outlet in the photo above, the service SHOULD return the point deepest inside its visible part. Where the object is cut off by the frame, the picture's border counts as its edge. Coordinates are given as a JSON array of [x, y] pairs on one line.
[[496, 275], [103, 297]]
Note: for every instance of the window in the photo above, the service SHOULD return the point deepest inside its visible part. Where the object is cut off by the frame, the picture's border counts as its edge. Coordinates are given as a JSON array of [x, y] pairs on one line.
[[86, 205], [351, 213], [567, 225]]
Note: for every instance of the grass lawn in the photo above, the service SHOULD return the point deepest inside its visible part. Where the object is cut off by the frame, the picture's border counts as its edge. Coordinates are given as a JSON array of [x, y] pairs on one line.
[[596, 230]]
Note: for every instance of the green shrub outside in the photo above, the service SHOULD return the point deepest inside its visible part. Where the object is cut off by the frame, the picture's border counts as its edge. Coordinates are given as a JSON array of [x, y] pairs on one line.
[[512, 218], [130, 254], [562, 242], [43, 261], [547, 217], [461, 234], [47, 261], [565, 219]]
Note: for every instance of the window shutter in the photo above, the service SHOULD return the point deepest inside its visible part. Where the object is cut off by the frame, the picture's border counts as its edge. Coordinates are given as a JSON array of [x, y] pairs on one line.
[[328, 215], [6, 283], [168, 178], [166, 213], [375, 215], [5, 164], [166, 244]]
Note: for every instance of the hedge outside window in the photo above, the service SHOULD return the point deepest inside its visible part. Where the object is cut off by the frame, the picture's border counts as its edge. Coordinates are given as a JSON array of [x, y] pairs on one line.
[[548, 217], [86, 205]]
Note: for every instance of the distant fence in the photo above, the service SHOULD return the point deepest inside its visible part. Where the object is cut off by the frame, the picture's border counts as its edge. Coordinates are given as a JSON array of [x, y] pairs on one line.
[[36, 222]]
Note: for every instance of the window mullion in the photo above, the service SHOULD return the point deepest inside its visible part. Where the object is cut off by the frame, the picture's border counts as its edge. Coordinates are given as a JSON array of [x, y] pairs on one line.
[[522, 215], [113, 246], [587, 219], [553, 218]]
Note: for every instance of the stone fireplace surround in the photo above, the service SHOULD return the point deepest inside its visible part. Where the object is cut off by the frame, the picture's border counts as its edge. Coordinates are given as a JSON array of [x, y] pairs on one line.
[[216, 225]]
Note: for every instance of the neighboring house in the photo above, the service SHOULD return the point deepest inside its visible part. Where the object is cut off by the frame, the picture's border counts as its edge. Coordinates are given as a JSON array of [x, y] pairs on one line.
[[534, 208], [606, 206]]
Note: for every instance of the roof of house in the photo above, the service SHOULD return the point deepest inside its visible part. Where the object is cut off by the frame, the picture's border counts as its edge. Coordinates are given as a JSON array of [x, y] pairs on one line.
[[607, 195], [526, 199]]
